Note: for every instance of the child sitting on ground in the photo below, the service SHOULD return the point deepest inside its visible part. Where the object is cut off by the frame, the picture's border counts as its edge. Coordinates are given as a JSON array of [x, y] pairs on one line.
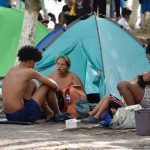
[[109, 103]]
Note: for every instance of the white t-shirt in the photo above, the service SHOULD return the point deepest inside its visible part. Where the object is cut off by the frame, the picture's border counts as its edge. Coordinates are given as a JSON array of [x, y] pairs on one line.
[[124, 23]]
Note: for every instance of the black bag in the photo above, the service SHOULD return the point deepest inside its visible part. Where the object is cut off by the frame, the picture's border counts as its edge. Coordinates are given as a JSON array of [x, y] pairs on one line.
[[93, 97]]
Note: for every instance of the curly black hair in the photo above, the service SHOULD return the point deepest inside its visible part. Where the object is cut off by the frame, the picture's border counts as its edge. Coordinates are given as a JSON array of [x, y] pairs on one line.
[[29, 53]]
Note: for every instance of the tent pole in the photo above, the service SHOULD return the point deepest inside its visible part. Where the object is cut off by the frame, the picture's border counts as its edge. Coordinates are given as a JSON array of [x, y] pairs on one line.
[[100, 49]]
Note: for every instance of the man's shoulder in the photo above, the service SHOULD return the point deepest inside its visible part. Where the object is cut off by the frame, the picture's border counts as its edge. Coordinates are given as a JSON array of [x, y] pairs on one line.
[[28, 72]]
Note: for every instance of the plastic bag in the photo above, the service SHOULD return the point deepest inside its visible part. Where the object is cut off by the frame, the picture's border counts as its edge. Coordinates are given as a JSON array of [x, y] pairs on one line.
[[125, 117], [105, 119]]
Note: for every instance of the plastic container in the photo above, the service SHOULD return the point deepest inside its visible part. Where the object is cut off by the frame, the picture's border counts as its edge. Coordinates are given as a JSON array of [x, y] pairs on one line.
[[142, 120], [71, 123]]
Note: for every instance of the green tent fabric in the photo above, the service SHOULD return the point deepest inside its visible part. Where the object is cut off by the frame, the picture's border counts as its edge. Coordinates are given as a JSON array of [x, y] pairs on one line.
[[10, 30], [102, 54]]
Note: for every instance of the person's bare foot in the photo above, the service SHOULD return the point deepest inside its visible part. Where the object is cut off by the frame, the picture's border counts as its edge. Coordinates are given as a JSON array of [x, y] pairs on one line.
[[49, 115]]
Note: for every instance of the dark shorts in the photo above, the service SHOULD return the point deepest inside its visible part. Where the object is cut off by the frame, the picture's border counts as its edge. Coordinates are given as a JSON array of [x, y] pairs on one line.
[[114, 103], [145, 6], [29, 113]]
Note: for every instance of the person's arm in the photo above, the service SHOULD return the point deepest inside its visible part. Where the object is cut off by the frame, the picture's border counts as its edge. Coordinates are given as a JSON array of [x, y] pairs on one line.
[[134, 80], [44, 80], [142, 79], [143, 39], [61, 18], [146, 76]]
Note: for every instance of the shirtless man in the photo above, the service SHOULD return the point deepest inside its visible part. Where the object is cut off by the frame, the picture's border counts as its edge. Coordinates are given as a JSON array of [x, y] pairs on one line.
[[68, 82], [22, 101], [133, 91]]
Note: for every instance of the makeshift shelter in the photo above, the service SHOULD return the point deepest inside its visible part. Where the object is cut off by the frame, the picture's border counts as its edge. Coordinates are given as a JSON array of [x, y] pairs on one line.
[[102, 53], [10, 30]]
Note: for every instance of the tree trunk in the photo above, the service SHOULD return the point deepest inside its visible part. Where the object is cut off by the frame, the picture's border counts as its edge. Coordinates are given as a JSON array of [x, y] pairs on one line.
[[18, 4], [32, 8]]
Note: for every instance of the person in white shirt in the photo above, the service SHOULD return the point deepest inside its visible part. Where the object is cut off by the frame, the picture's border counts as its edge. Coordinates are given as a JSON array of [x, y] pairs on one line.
[[126, 13], [124, 21]]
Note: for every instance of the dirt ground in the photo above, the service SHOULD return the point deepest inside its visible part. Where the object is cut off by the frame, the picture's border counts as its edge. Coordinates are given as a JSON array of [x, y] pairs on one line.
[[54, 136]]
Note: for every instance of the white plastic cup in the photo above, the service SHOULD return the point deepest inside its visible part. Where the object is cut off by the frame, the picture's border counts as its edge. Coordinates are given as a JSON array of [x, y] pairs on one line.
[[71, 123]]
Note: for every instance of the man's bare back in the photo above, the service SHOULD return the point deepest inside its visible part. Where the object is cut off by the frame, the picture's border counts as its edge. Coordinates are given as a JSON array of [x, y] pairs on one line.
[[14, 86], [22, 99]]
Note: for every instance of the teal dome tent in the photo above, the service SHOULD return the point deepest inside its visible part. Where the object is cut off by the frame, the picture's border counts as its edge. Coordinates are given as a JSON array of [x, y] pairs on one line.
[[102, 54]]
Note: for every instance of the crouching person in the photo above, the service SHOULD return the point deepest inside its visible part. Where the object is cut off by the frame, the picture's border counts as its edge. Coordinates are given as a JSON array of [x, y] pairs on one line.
[[22, 101], [103, 111]]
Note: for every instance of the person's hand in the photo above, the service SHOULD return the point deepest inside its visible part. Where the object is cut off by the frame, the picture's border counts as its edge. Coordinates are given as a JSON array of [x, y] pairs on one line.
[[57, 88], [146, 76], [143, 39], [134, 80]]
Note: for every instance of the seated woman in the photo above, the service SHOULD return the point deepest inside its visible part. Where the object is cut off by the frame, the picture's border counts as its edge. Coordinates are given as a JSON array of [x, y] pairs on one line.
[[69, 83], [133, 91], [108, 103]]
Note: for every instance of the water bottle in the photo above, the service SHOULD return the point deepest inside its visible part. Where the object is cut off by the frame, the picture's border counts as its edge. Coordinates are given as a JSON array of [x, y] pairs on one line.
[[67, 96]]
